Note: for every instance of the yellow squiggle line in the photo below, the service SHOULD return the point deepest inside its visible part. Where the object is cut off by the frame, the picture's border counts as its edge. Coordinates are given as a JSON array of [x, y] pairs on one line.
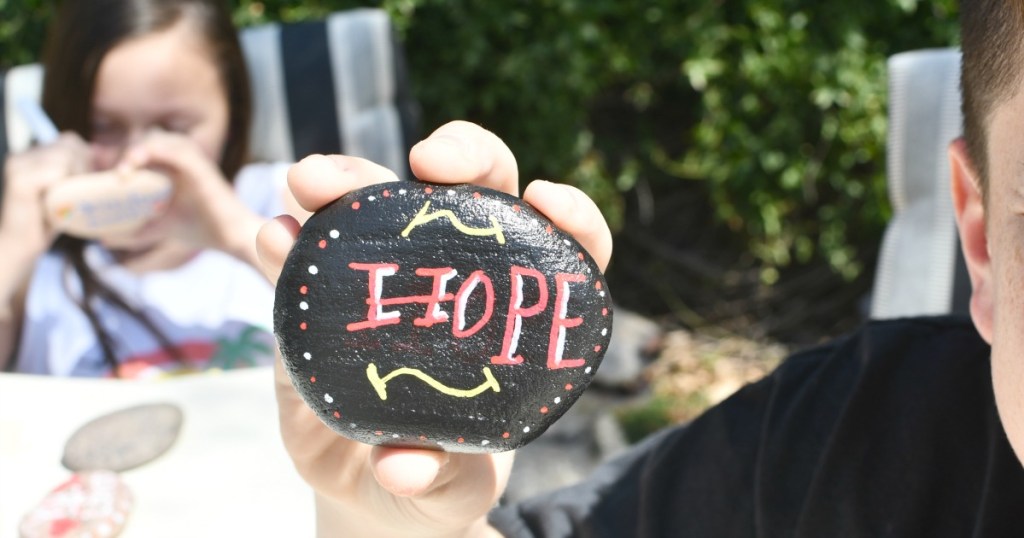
[[423, 217], [381, 383]]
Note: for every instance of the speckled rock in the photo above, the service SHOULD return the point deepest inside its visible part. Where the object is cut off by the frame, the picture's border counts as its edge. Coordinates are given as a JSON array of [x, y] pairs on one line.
[[89, 503], [422, 315]]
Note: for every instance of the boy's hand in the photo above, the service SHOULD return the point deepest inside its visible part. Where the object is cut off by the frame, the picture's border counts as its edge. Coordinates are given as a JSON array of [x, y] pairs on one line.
[[378, 491]]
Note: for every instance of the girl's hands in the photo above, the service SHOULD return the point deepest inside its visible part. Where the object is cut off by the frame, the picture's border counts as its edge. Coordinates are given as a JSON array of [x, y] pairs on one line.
[[204, 211], [24, 232], [377, 491]]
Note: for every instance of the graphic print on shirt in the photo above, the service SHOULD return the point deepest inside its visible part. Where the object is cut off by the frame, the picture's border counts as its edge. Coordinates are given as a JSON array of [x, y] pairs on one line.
[[250, 346]]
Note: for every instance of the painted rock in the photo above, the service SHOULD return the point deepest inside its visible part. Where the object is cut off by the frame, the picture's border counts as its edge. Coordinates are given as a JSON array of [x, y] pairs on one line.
[[453, 317], [124, 439], [92, 503], [101, 204]]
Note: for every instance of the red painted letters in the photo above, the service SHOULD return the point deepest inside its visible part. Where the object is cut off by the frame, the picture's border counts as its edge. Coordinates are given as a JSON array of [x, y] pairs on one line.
[[434, 313], [559, 323], [462, 297], [516, 313], [376, 316]]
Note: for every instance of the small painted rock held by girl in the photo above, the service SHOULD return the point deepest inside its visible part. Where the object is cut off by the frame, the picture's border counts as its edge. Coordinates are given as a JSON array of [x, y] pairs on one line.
[[101, 204], [453, 317]]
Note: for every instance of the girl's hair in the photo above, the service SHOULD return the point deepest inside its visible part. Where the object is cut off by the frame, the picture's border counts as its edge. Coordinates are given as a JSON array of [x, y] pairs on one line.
[[80, 36]]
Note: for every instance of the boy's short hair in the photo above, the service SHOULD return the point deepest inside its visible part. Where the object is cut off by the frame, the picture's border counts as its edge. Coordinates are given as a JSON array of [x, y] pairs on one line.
[[992, 42]]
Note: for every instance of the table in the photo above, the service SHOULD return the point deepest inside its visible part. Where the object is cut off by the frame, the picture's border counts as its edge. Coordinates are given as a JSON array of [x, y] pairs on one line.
[[227, 474]]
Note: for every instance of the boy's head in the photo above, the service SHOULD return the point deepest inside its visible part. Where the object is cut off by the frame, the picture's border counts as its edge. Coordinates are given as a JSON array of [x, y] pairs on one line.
[[993, 58], [987, 168]]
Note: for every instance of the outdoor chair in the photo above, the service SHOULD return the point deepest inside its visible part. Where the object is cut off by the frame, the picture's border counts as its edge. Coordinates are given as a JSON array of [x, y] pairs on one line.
[[920, 268], [336, 85]]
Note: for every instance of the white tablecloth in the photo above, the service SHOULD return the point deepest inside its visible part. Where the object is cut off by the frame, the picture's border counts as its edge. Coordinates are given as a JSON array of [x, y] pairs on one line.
[[226, 475]]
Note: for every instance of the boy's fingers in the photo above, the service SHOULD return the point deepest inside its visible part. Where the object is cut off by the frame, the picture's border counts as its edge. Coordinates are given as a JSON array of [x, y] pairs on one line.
[[273, 242], [406, 472], [318, 180], [463, 152], [576, 214]]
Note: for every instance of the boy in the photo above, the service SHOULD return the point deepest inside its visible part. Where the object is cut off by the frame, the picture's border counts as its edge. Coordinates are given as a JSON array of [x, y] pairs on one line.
[[893, 431]]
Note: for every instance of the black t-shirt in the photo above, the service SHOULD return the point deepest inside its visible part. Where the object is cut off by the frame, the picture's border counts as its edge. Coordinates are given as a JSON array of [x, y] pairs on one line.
[[892, 431]]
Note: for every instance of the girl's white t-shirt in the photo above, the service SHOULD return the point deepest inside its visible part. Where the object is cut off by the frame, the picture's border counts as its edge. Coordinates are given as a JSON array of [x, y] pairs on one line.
[[215, 310]]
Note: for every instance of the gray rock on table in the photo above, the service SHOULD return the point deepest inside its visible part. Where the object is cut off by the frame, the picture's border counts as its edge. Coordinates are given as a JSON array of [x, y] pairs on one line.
[[124, 439]]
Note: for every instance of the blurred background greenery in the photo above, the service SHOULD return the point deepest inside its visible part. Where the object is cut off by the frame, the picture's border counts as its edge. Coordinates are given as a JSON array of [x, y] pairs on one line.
[[737, 148]]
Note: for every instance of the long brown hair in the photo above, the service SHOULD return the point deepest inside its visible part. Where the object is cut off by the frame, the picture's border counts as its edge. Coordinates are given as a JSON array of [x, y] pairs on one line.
[[992, 42], [80, 36]]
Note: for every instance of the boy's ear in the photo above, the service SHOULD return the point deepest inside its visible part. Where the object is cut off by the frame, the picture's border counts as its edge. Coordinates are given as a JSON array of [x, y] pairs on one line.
[[969, 206]]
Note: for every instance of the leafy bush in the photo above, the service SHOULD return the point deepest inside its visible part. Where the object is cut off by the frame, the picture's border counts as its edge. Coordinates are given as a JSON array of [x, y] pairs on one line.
[[22, 28], [776, 106]]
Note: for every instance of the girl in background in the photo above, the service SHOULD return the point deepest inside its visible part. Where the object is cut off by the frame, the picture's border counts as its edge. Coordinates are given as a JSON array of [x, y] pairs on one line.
[[132, 84]]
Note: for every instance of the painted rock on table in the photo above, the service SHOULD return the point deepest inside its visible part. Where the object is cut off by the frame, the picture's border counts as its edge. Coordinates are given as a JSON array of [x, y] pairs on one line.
[[422, 315], [93, 503], [123, 439]]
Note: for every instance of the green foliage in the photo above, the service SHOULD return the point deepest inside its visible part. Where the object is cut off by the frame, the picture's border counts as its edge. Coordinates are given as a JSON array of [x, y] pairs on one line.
[[776, 106], [22, 28], [791, 127], [641, 420]]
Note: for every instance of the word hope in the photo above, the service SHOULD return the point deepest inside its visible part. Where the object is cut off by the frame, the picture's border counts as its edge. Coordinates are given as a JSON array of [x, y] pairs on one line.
[[377, 317]]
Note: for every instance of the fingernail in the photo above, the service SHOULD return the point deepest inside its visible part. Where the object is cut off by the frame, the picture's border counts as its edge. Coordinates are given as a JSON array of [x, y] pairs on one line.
[[456, 147], [550, 188], [339, 166], [320, 168]]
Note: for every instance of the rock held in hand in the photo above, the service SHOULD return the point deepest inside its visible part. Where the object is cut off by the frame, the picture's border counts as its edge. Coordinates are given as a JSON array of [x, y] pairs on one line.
[[96, 205], [454, 317]]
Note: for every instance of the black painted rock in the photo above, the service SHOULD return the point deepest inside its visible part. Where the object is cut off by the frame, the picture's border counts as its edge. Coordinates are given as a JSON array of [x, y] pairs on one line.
[[422, 315], [123, 439]]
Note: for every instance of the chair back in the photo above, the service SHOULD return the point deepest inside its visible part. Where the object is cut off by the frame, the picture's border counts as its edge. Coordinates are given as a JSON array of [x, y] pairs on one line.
[[920, 268]]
